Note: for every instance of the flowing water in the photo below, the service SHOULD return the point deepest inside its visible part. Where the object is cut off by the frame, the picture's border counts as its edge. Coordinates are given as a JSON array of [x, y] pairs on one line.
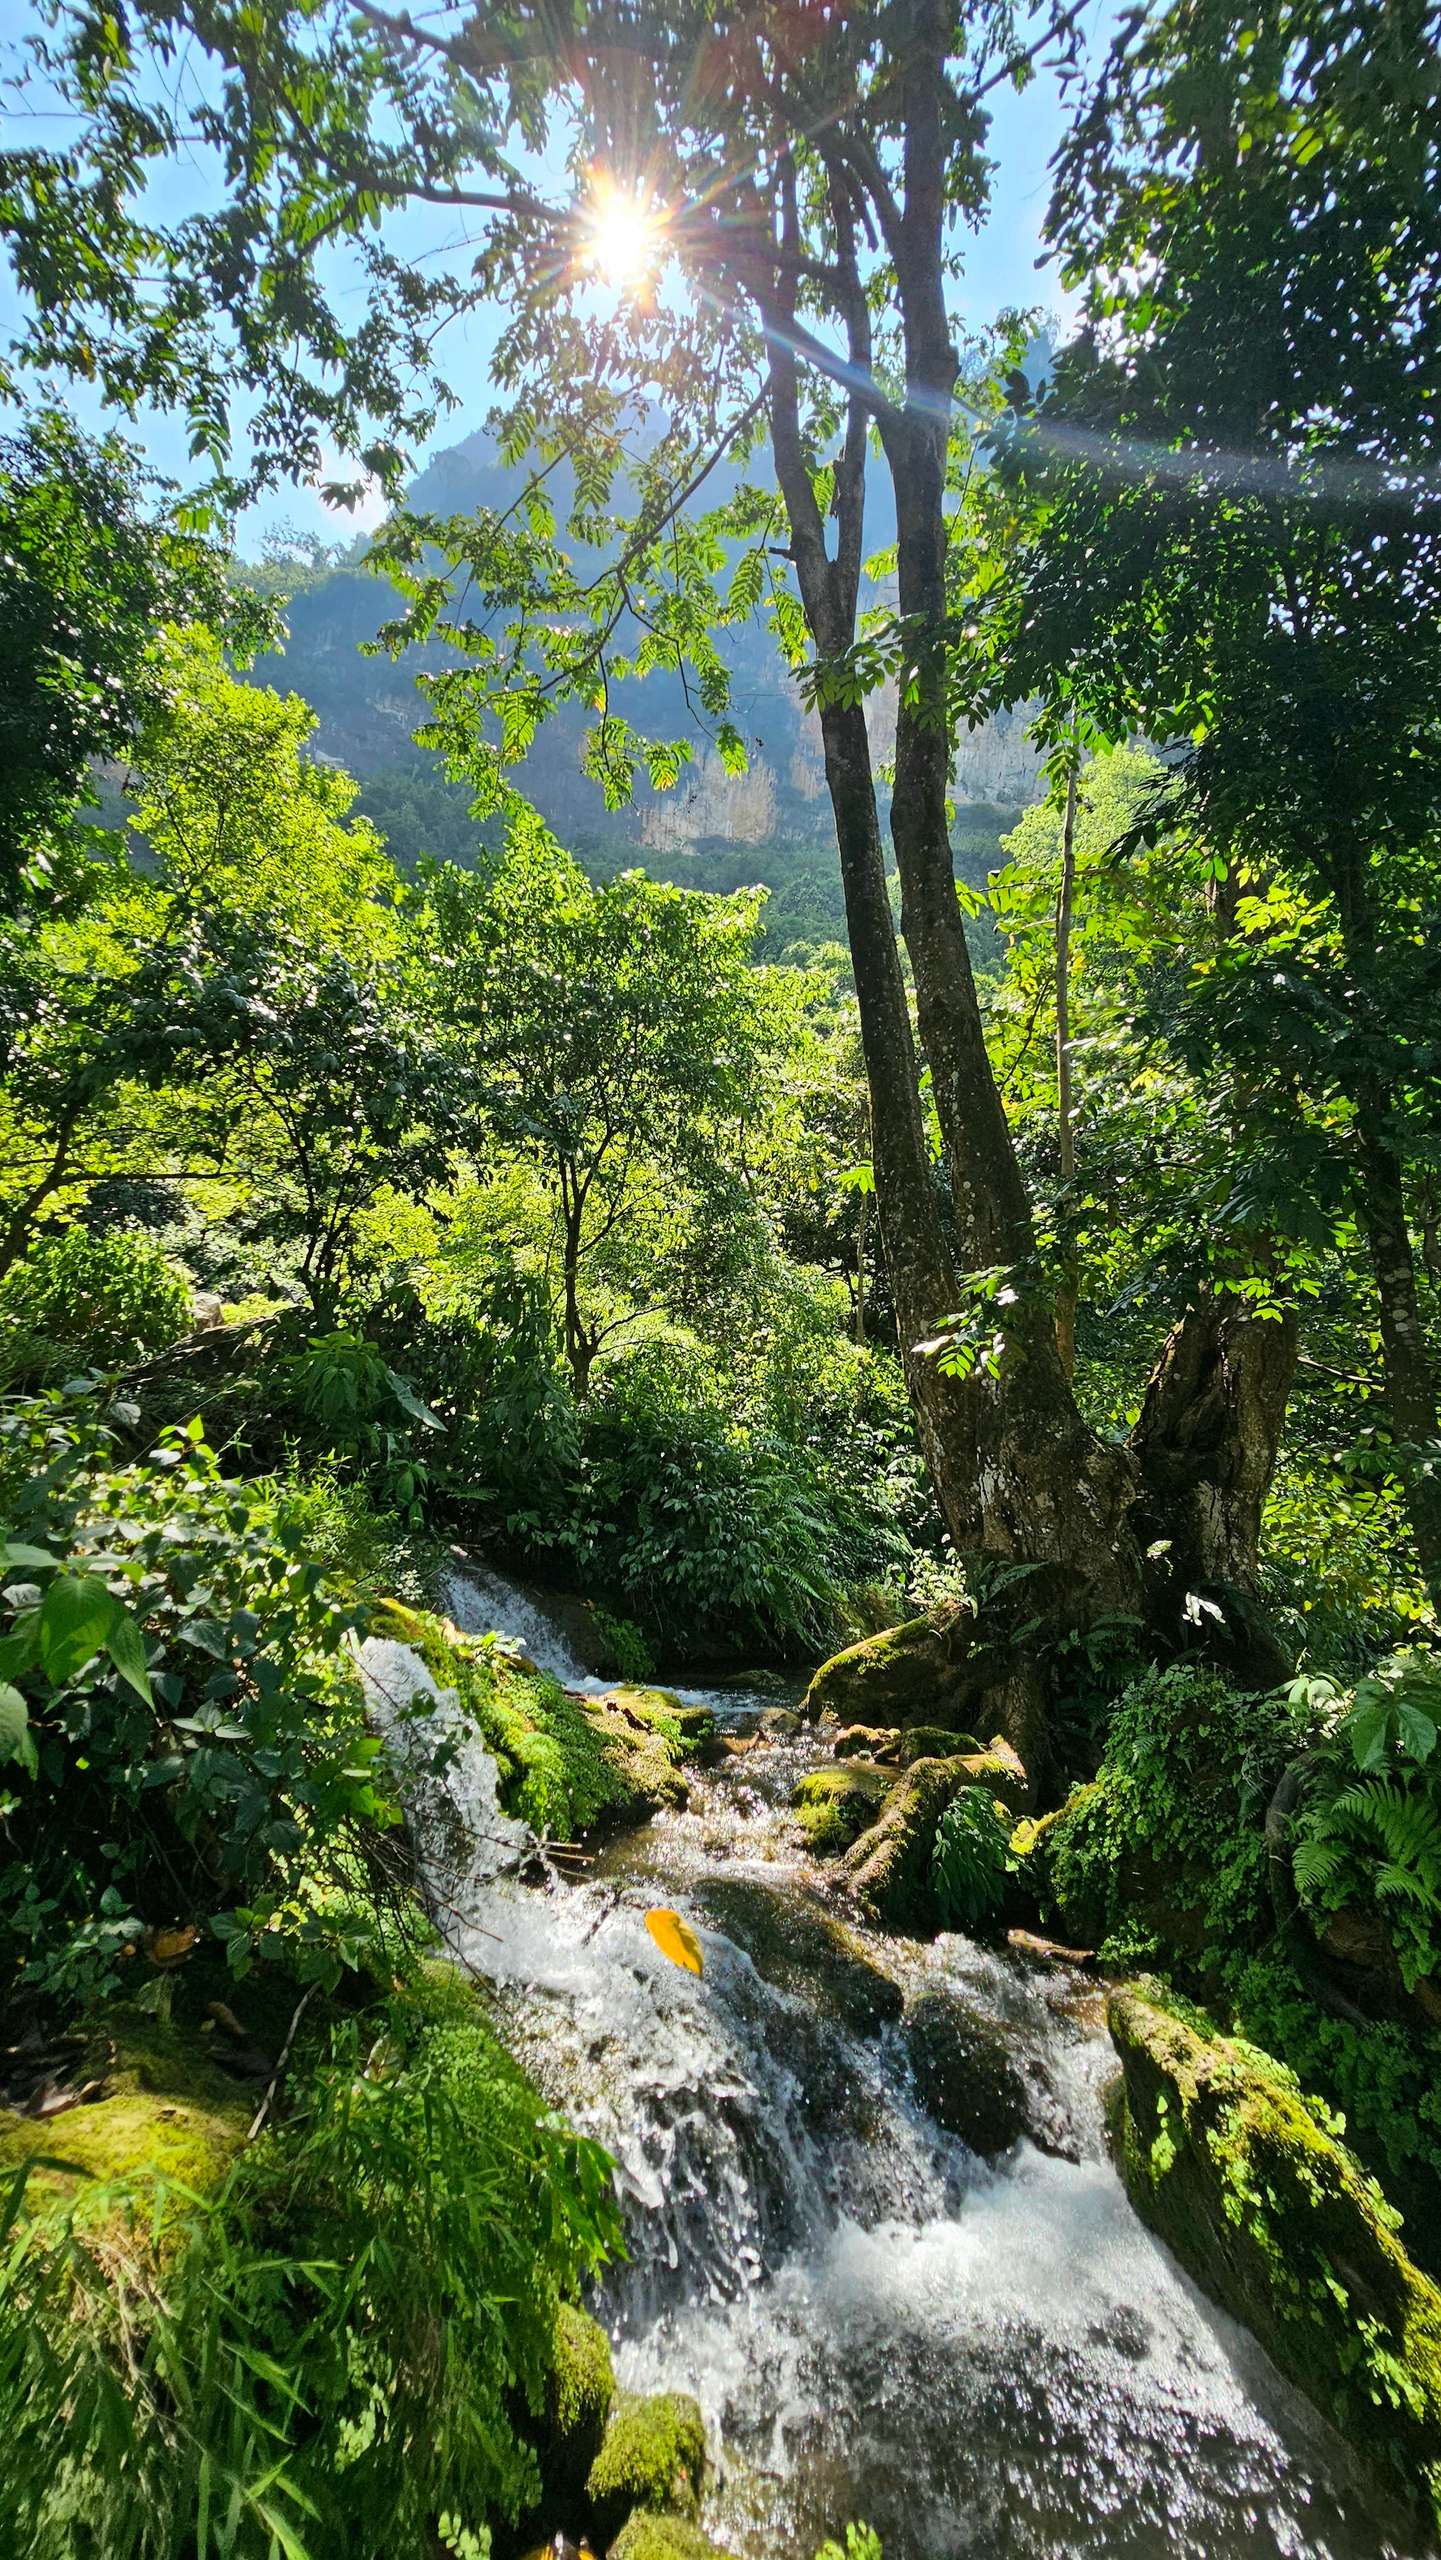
[[988, 2357]]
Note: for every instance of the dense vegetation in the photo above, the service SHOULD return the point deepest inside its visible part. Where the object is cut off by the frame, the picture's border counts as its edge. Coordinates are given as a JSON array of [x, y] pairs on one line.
[[1033, 1222]]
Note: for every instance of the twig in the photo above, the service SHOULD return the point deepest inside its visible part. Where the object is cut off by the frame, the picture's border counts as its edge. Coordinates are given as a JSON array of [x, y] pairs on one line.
[[263, 2109]]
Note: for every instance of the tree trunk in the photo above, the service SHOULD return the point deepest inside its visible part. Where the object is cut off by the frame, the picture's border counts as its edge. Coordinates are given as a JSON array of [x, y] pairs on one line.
[[1205, 1446], [1410, 1383], [1065, 1118]]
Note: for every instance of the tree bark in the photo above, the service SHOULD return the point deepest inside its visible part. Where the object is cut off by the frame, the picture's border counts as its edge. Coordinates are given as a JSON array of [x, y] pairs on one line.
[[1065, 1118], [1205, 1447], [1410, 1381]]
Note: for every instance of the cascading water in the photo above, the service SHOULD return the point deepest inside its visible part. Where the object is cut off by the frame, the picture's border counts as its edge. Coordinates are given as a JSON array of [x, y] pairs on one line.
[[993, 2360]]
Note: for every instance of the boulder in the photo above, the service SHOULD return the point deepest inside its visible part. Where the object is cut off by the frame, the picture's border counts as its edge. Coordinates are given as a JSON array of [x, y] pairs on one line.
[[873, 1742], [969, 2078], [653, 2537], [999, 1771], [796, 1943], [1247, 2179], [779, 1723], [834, 1805], [642, 1747], [652, 2456], [932, 1742], [888, 1867], [915, 1673]]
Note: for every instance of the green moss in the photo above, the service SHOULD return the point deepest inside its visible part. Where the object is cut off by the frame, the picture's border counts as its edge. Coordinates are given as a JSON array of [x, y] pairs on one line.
[[652, 2456], [579, 2394], [1247, 2180], [833, 1806], [888, 1869], [652, 2537], [933, 1742], [916, 1672], [167, 2110]]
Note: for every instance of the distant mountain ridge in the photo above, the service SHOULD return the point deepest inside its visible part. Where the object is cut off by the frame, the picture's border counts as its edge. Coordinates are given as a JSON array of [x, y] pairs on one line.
[[368, 707]]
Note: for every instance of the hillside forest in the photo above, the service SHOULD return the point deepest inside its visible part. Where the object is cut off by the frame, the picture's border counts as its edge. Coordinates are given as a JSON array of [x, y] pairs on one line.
[[720, 1265]]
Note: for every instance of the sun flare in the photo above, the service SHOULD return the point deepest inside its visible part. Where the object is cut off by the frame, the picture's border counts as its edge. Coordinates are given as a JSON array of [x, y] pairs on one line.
[[623, 238]]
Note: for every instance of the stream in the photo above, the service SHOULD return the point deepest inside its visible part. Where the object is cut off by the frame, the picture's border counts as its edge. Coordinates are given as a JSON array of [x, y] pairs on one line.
[[986, 2358]]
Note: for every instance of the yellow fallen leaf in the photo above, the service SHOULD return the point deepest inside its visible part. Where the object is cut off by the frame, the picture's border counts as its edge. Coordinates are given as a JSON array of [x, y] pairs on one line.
[[677, 1939], [167, 1946]]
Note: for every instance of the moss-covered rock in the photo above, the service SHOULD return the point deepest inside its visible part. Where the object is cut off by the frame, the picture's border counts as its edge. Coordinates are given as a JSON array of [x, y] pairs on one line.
[[833, 1806], [652, 2457], [579, 2394], [652, 2537], [693, 1728], [870, 1742], [934, 1742], [796, 1943], [916, 1673], [999, 1771], [888, 1867], [642, 1748], [1250, 2184], [165, 2110]]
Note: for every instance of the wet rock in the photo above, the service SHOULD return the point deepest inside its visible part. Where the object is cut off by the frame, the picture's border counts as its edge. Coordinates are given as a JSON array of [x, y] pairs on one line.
[[778, 1723], [652, 2457], [795, 1943], [876, 1742], [834, 1805], [888, 1867], [932, 1742], [642, 1750], [1246, 2179], [652, 2537], [969, 2078], [579, 2395]]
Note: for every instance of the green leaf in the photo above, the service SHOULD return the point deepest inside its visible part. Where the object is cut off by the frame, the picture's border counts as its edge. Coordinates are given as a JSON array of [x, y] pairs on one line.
[[17, 1742], [126, 1647], [75, 1622], [29, 1559]]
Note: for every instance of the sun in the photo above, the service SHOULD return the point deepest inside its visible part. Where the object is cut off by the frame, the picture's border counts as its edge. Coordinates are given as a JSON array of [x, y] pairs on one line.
[[622, 238]]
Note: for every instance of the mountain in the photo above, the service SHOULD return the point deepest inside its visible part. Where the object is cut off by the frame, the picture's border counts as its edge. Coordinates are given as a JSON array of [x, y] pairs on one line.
[[770, 817]]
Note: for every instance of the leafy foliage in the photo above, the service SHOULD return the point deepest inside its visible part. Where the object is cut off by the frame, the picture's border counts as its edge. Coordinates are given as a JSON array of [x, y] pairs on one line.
[[212, 1772], [344, 2342], [1369, 1833], [970, 1860], [82, 1301]]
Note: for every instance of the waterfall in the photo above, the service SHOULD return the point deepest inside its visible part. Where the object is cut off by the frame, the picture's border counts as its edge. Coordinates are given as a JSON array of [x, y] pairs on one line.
[[990, 2358]]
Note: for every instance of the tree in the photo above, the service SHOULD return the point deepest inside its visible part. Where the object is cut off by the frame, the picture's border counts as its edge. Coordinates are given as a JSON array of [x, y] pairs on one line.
[[617, 1035], [90, 567], [1236, 546]]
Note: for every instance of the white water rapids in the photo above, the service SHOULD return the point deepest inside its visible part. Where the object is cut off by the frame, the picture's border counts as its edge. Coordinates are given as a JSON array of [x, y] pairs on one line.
[[987, 2360]]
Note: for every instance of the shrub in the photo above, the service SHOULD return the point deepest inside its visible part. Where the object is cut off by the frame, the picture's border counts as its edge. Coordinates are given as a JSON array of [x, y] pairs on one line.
[[1369, 1832], [1164, 1854], [191, 1748], [348, 2338], [88, 1302]]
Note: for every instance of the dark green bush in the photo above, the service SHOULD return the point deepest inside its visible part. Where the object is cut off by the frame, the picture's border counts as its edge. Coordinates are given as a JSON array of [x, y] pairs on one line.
[[81, 1301], [1164, 1854], [189, 1743], [969, 1860]]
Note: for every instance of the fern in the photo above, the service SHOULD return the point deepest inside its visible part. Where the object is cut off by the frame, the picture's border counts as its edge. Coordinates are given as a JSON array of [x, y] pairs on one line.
[[1378, 1841]]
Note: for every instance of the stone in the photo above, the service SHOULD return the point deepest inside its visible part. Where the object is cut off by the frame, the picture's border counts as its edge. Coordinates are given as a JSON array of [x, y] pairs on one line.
[[887, 1869], [653, 2537], [779, 1723], [933, 1742], [798, 1945], [915, 1673], [967, 2077], [1248, 2181], [834, 1805], [876, 1742], [652, 2456]]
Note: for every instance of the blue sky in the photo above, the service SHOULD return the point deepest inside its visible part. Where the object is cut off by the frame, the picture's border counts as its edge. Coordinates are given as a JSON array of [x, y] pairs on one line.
[[1001, 269]]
